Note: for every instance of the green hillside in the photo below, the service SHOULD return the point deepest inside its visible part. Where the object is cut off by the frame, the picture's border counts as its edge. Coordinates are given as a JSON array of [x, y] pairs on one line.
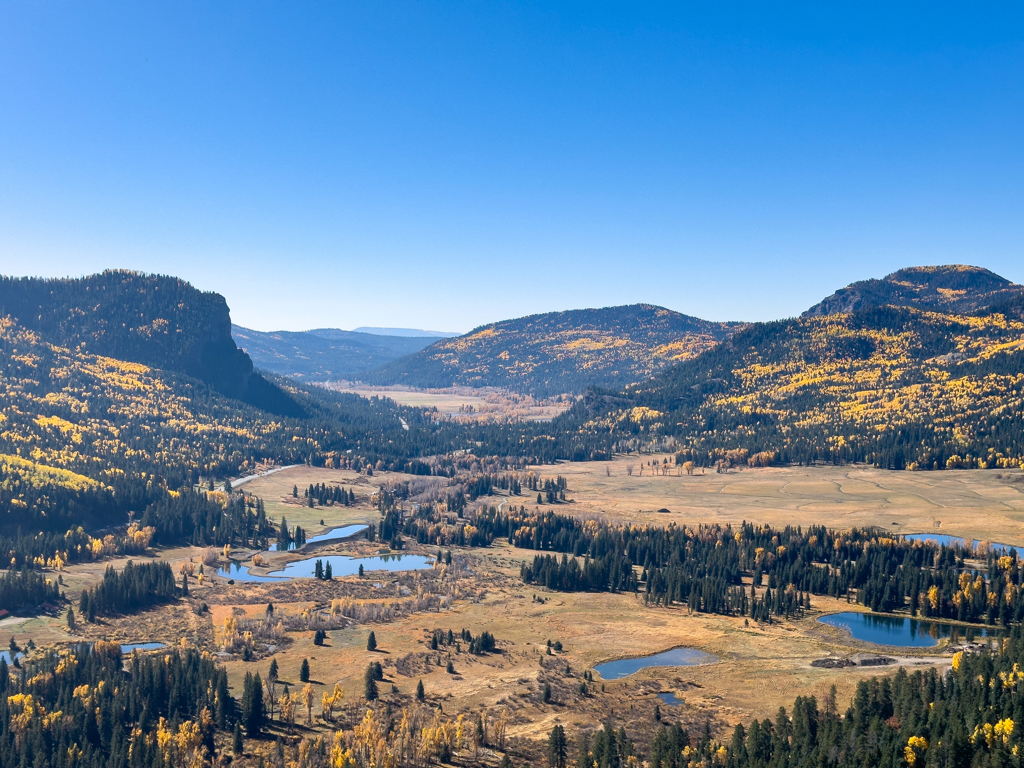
[[559, 352]]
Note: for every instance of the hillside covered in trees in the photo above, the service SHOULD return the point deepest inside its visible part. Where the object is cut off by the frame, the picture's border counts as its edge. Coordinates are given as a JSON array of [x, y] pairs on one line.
[[559, 352], [324, 354], [86, 437], [954, 288], [896, 386]]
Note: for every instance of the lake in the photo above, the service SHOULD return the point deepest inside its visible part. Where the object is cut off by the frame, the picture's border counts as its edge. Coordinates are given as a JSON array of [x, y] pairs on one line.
[[902, 631], [341, 565], [677, 657]]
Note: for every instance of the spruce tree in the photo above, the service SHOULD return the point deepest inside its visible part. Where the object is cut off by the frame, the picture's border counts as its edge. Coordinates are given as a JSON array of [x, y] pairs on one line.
[[420, 693], [371, 642], [370, 684], [304, 671]]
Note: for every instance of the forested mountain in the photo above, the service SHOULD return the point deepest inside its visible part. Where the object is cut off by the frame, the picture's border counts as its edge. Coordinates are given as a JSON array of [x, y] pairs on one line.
[[86, 437], [898, 386], [324, 354], [954, 288], [159, 321], [559, 352]]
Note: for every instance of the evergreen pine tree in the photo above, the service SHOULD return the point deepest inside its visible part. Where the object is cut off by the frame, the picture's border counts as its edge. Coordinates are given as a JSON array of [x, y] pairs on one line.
[[371, 642], [304, 671], [370, 684]]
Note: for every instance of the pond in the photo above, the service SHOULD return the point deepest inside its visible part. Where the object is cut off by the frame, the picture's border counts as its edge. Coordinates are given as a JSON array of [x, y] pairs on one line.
[[944, 539], [902, 631], [6, 656], [339, 533], [677, 657], [341, 565], [670, 699], [129, 647]]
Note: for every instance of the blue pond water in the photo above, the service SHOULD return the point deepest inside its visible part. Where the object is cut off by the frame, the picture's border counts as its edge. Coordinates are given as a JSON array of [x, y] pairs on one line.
[[341, 565], [944, 539], [670, 699], [129, 647], [6, 656], [342, 532], [902, 631], [677, 657]]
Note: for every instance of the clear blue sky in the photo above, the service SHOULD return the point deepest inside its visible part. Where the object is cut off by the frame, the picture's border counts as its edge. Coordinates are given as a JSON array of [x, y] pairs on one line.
[[443, 165]]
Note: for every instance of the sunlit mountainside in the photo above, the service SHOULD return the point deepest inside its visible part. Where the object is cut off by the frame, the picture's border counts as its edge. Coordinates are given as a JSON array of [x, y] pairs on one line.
[[898, 383], [559, 352]]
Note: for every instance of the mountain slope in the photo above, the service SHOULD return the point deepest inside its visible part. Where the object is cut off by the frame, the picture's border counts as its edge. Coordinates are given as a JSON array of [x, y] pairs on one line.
[[158, 321], [324, 353], [893, 385], [86, 438], [559, 352], [949, 288]]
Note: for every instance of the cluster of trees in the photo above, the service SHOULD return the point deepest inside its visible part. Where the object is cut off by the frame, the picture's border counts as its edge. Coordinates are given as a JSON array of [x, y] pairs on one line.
[[325, 495], [203, 519], [26, 589], [969, 716], [85, 707], [479, 645], [288, 538], [322, 571], [703, 567], [137, 586]]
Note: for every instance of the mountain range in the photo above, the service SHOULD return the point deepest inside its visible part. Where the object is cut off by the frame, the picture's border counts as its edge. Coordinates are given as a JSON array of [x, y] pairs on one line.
[[325, 354]]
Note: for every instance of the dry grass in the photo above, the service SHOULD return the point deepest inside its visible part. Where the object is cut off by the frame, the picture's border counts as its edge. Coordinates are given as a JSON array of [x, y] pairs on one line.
[[465, 403], [981, 504]]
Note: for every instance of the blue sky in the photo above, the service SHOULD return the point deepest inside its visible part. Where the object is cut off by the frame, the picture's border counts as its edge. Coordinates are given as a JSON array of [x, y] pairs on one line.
[[443, 165]]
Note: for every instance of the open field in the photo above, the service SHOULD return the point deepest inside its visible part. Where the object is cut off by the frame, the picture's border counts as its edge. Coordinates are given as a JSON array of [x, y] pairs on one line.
[[464, 403], [981, 504]]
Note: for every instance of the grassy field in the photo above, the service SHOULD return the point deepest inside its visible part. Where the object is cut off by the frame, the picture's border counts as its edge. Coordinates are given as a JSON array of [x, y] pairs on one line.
[[465, 403], [276, 492], [980, 504]]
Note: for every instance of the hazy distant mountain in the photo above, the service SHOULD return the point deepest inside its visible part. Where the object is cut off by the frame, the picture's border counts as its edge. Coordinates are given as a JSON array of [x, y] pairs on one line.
[[559, 352], [948, 288], [324, 353], [402, 332]]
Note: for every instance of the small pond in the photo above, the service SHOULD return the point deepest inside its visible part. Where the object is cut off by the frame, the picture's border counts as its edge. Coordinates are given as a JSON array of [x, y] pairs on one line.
[[341, 565], [677, 657], [944, 539], [670, 699], [6, 656], [129, 647], [902, 631], [339, 533]]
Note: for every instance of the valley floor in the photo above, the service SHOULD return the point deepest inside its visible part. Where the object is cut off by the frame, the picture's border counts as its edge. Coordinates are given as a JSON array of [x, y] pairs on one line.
[[759, 667]]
